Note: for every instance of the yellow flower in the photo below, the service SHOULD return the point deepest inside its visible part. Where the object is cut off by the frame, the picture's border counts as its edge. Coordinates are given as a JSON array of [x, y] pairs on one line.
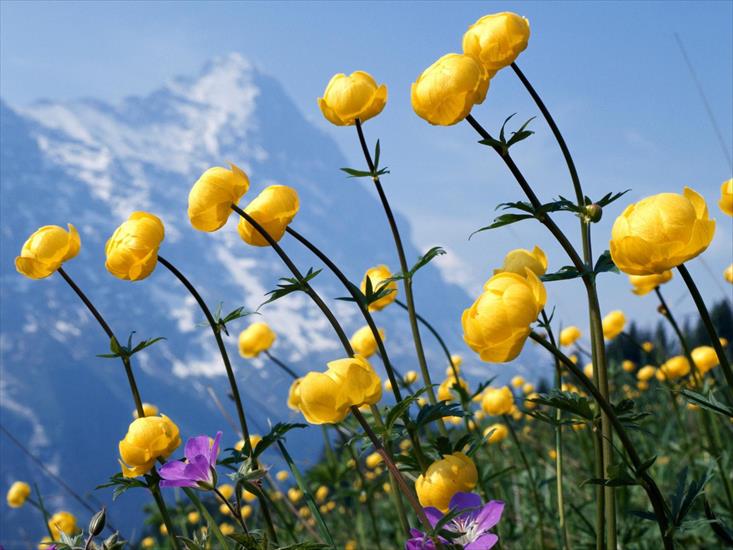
[[147, 439], [444, 478], [246, 511], [294, 395], [325, 398], [18, 493], [373, 460], [520, 259], [445, 92], [377, 275], [350, 97], [147, 542], [726, 197], [661, 232], [496, 433], [456, 360], [642, 385], [44, 251], [45, 543], [132, 250], [163, 529], [628, 366], [226, 529], [212, 196], [675, 367], [646, 373], [62, 522], [193, 517], [148, 410], [410, 377], [254, 439], [498, 323], [613, 324], [364, 342], [255, 339], [644, 284], [224, 510], [294, 494], [705, 358], [350, 545], [282, 475], [497, 39], [226, 490], [445, 390], [321, 493], [728, 274], [517, 381], [569, 335], [249, 496], [497, 401], [528, 388], [647, 347], [588, 370], [387, 385], [274, 208]]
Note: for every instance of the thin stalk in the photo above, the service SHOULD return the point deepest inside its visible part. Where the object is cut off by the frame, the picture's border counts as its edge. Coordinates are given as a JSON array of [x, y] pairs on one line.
[[155, 490], [42, 507], [125, 360], [707, 321], [191, 494], [647, 482], [532, 483], [233, 509], [282, 365], [407, 281]]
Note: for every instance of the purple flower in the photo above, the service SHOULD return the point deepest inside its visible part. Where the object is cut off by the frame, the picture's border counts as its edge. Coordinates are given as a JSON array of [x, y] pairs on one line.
[[199, 467], [472, 524]]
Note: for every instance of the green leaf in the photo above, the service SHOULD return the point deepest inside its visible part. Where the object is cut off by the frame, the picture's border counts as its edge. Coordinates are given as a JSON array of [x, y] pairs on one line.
[[401, 408], [356, 173], [276, 433], [708, 402], [426, 258], [431, 413], [504, 219], [377, 151], [605, 264], [563, 274], [566, 401], [122, 484], [519, 205], [610, 197], [290, 285]]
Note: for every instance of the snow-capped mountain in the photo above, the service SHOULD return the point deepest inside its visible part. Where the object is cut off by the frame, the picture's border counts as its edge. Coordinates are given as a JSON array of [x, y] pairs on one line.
[[91, 163]]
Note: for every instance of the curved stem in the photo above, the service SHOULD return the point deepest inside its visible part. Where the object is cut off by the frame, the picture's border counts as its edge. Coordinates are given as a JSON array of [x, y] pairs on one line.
[[708, 322], [298, 275], [235, 511], [282, 365], [647, 482], [125, 360], [407, 281]]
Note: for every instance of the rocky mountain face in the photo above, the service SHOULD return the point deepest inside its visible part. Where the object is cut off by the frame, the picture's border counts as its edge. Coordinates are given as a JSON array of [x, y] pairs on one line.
[[91, 163]]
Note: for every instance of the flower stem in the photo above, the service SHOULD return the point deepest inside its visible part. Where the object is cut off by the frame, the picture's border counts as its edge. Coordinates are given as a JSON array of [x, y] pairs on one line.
[[290, 372], [647, 482], [125, 360], [42, 507], [234, 510], [155, 490], [705, 316], [407, 281]]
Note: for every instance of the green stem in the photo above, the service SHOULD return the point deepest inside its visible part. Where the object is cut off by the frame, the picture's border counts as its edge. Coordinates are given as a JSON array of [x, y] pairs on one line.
[[125, 360], [234, 510], [191, 494], [707, 321], [407, 281], [42, 507], [532, 483], [282, 365], [155, 490]]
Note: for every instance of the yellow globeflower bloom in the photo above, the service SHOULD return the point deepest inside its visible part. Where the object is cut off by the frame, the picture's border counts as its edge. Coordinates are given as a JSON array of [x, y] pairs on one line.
[[246, 511], [249, 496], [132, 250], [445, 92], [498, 323], [321, 493], [445, 390], [364, 342], [644, 284], [147, 542], [444, 478], [705, 358], [497, 401], [647, 347], [282, 475], [569, 335], [675, 367], [350, 545], [254, 439], [255, 339], [628, 366], [44, 251], [274, 208], [410, 377], [496, 433], [387, 385], [457, 361], [613, 324], [373, 460], [661, 232], [520, 259], [377, 275], [193, 517], [148, 410], [294, 495], [226, 529], [728, 273], [226, 490], [517, 381], [646, 373], [588, 370], [212, 196], [497, 39], [726, 197], [18, 493], [350, 97], [642, 385], [62, 522], [294, 395], [527, 388], [147, 439]]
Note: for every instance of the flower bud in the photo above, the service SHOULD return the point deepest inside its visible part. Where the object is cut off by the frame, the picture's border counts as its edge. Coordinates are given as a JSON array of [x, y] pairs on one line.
[[377, 275], [44, 251], [132, 250], [728, 274], [705, 358], [496, 40], [18, 493], [661, 232], [613, 324], [364, 342], [96, 524], [62, 522], [212, 196], [497, 401], [496, 433], [726, 197], [273, 209], [350, 97], [444, 478], [593, 212], [675, 367], [569, 335], [255, 339], [147, 439]]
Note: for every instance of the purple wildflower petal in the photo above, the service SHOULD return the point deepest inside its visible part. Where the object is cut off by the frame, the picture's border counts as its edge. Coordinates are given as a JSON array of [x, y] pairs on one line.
[[433, 514], [484, 542], [177, 483], [416, 533], [199, 470], [196, 446], [420, 543], [462, 501], [173, 470], [490, 514], [215, 450]]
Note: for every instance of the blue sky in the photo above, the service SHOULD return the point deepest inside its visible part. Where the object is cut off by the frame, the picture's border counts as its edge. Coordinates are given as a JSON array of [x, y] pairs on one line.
[[611, 73]]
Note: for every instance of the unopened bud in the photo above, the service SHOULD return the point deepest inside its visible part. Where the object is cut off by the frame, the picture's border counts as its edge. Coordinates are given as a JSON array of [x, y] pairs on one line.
[[96, 524], [593, 212]]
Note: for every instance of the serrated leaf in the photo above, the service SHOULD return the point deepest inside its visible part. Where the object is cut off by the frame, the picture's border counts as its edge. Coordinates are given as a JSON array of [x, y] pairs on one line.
[[567, 401], [431, 413], [290, 285], [708, 402]]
